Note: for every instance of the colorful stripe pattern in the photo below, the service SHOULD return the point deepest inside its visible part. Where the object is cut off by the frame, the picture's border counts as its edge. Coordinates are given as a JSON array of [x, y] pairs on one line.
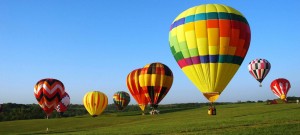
[[63, 104], [156, 80], [259, 68], [228, 29], [48, 92], [95, 102], [135, 89], [280, 87], [209, 43], [121, 99]]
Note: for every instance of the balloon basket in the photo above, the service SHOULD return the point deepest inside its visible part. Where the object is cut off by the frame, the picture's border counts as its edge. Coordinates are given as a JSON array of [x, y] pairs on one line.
[[154, 112], [212, 110]]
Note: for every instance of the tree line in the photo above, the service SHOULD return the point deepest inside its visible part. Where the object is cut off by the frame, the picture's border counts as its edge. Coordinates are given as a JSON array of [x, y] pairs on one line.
[[13, 111]]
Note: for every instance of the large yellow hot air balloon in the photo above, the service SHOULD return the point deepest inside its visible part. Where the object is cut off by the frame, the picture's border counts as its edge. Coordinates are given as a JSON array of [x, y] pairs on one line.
[[209, 43], [95, 102]]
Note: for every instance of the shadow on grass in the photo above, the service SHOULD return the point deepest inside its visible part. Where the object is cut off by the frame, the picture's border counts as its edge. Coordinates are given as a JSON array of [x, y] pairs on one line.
[[267, 112], [136, 113], [54, 132], [139, 113], [230, 106], [163, 111]]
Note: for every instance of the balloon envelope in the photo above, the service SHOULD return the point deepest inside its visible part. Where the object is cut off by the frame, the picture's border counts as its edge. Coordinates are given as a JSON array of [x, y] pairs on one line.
[[135, 89], [280, 87], [259, 68], [209, 43], [156, 80], [63, 104], [121, 99], [48, 92], [95, 102]]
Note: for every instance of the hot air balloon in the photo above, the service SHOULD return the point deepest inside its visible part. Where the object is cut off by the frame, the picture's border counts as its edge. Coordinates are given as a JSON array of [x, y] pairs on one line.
[[95, 102], [209, 43], [259, 68], [135, 89], [156, 80], [63, 104], [280, 87], [48, 92], [121, 99]]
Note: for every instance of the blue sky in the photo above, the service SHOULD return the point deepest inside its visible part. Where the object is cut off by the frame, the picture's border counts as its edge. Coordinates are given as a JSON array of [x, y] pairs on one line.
[[93, 45]]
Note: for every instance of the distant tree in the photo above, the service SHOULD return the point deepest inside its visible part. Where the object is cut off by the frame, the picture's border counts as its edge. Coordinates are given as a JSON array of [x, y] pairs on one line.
[[250, 101], [260, 101], [292, 99]]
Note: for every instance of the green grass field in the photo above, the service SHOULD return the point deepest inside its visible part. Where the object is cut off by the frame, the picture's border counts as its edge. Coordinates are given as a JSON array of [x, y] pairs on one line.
[[250, 118]]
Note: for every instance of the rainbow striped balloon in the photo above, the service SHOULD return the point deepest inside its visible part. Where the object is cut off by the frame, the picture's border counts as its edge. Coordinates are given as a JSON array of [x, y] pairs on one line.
[[121, 99], [209, 43]]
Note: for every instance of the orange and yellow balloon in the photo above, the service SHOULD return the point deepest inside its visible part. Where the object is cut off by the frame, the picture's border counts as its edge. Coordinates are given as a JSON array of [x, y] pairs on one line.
[[209, 43], [95, 102], [135, 89]]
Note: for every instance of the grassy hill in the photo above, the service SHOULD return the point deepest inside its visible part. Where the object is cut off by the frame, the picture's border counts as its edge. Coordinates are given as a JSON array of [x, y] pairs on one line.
[[247, 118]]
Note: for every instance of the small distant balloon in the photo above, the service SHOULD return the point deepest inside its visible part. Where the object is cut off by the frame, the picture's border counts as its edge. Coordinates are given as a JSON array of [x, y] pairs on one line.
[[259, 69], [121, 99]]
